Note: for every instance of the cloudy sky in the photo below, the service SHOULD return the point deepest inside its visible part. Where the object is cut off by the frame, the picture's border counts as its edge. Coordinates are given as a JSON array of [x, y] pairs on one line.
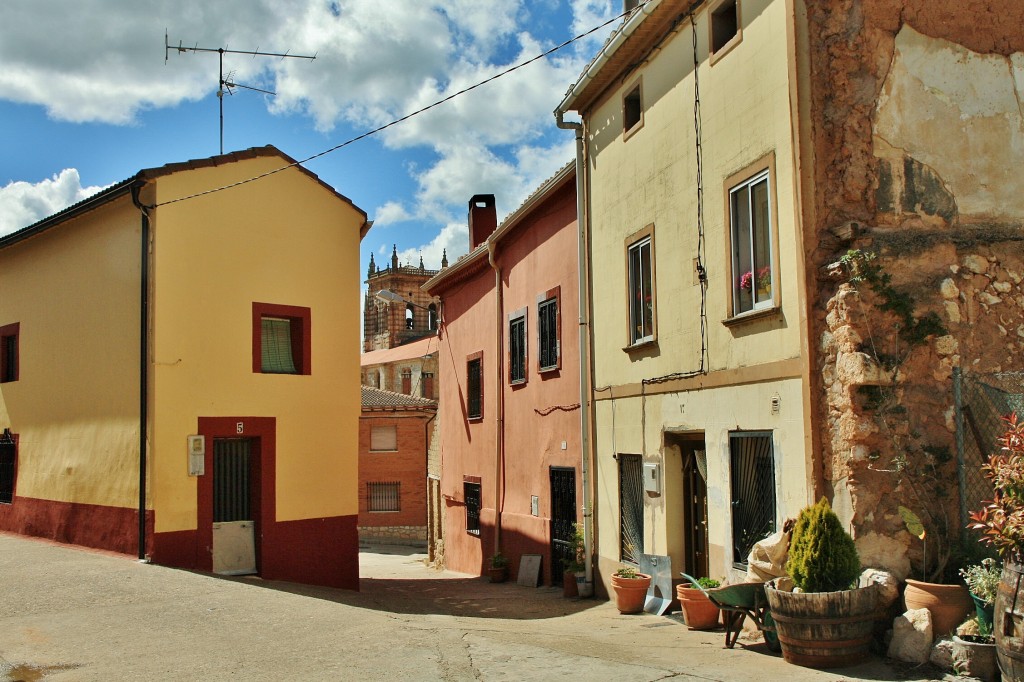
[[87, 99]]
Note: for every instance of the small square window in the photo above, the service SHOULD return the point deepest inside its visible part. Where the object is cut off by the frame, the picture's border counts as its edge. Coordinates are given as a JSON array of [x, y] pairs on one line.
[[632, 109], [517, 347], [281, 339], [471, 493], [384, 439], [549, 331], [383, 497], [9, 353], [475, 386], [725, 24]]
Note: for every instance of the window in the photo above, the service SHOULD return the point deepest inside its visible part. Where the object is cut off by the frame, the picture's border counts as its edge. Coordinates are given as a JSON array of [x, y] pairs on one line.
[[432, 317], [753, 490], [280, 339], [517, 347], [753, 267], [410, 317], [428, 385], [632, 110], [8, 466], [475, 386], [640, 264], [471, 491], [549, 335], [407, 381], [384, 439], [383, 497], [9, 352], [631, 508], [724, 25]]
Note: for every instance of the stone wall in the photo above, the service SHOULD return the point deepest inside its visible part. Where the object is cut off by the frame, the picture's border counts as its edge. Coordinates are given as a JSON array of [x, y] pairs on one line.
[[916, 130], [393, 535]]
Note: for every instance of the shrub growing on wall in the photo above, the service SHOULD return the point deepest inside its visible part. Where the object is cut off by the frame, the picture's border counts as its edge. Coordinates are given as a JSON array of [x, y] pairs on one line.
[[822, 556]]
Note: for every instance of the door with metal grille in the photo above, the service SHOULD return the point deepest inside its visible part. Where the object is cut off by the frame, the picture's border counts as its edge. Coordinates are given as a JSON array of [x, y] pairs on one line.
[[753, 490], [563, 516], [234, 537]]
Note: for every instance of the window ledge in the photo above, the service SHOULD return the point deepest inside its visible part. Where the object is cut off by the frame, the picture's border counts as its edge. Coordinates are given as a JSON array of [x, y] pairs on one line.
[[548, 370], [751, 316], [474, 420], [641, 345]]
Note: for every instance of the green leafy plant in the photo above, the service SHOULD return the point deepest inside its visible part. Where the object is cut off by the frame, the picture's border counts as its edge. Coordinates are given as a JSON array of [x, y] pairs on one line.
[[708, 583], [983, 579], [499, 560], [578, 563], [628, 572], [822, 556], [1001, 520]]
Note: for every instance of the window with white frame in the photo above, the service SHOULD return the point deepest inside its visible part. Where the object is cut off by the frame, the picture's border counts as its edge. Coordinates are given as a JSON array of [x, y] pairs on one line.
[[641, 289], [753, 268], [517, 347]]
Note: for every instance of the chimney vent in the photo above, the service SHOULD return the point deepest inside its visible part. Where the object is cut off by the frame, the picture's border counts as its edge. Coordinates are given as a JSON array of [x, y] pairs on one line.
[[483, 219]]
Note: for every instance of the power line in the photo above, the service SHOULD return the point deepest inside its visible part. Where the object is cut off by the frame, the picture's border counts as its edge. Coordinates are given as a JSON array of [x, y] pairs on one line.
[[402, 119]]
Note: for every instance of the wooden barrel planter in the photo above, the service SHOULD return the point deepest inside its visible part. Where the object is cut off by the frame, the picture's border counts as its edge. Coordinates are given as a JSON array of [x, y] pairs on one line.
[[1008, 627], [825, 629]]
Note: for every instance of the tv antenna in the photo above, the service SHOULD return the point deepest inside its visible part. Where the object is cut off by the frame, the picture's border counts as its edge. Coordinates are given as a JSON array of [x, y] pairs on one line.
[[226, 84]]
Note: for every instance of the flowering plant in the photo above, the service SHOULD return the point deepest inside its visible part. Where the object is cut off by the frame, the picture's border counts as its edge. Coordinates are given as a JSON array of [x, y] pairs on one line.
[[1001, 521], [764, 279], [983, 579]]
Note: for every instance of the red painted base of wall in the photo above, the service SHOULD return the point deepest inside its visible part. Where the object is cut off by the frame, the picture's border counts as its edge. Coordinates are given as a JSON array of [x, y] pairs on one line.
[[91, 525], [311, 551]]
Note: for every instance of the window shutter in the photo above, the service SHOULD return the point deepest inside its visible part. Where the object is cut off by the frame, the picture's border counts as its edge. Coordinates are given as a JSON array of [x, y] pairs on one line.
[[276, 346], [384, 438]]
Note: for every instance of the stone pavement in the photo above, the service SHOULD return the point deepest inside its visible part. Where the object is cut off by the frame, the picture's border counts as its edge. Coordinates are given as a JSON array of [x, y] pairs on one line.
[[68, 614]]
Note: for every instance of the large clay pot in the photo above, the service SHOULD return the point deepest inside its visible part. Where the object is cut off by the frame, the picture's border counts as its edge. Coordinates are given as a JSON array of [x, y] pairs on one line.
[[949, 604], [698, 611], [498, 575], [825, 629], [630, 593]]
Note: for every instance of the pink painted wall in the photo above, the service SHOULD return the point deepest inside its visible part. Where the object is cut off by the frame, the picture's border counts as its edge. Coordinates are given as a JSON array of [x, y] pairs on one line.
[[538, 254]]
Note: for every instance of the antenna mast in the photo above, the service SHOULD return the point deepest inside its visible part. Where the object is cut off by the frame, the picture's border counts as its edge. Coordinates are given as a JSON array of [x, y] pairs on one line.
[[225, 84]]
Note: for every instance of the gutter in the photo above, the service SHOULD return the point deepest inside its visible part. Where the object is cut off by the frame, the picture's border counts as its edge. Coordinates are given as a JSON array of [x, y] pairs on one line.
[[136, 187], [499, 436]]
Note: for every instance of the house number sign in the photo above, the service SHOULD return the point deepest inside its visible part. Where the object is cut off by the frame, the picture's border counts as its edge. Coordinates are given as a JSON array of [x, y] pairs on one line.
[[240, 427]]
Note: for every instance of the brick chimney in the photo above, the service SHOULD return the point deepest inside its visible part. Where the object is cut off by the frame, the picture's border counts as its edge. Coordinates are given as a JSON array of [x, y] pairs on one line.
[[483, 219]]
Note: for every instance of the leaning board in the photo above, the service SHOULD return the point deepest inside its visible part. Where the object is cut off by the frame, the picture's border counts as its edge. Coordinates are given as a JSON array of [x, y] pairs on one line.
[[529, 570]]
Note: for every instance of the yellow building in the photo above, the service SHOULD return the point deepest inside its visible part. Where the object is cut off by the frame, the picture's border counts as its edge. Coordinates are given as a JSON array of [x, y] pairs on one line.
[[176, 351], [696, 288]]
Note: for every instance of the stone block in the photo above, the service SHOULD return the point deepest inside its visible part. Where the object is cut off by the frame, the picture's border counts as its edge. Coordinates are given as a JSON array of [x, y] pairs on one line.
[[975, 263], [912, 637]]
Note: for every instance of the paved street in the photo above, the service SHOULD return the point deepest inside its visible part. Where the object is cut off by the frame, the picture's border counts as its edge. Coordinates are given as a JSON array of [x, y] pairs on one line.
[[71, 614]]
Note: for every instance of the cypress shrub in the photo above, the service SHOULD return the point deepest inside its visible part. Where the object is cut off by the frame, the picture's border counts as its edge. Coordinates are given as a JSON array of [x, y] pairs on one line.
[[822, 556]]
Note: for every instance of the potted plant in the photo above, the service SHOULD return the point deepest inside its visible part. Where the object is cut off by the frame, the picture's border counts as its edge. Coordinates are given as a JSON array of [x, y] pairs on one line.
[[1001, 522], [974, 652], [630, 587], [949, 602], [826, 621], [983, 582], [498, 570], [699, 612], [574, 577]]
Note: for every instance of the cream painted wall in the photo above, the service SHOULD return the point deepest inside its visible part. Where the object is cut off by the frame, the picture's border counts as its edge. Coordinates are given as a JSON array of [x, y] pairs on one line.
[[75, 292], [286, 240], [651, 178]]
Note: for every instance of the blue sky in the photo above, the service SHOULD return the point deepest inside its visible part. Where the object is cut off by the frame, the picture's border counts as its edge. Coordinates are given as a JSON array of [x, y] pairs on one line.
[[86, 100]]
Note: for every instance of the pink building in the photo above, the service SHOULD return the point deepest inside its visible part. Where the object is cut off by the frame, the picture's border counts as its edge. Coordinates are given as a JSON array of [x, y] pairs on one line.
[[510, 386]]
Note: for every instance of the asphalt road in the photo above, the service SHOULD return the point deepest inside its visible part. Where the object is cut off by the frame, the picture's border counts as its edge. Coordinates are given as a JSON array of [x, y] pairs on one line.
[[72, 614]]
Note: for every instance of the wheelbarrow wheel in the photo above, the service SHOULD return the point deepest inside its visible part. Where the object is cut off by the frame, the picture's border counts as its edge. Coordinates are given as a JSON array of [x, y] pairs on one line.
[[771, 637]]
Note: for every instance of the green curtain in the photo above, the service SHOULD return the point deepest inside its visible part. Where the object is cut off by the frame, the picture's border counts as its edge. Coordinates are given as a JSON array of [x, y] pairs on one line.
[[277, 346]]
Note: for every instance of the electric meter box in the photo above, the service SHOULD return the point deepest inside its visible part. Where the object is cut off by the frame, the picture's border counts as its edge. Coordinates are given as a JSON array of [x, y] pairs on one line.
[[652, 478]]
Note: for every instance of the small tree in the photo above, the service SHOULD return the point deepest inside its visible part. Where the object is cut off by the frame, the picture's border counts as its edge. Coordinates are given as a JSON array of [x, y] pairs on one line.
[[822, 556]]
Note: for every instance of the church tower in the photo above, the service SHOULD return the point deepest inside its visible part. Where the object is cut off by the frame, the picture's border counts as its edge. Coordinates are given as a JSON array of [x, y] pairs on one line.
[[387, 324]]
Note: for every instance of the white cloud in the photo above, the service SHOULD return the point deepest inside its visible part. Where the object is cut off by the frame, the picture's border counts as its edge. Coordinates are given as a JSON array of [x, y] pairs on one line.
[[453, 240], [24, 203], [390, 213]]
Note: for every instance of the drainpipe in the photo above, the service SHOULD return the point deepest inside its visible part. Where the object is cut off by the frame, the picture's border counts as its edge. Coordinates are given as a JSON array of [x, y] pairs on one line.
[[499, 436], [582, 333], [143, 362]]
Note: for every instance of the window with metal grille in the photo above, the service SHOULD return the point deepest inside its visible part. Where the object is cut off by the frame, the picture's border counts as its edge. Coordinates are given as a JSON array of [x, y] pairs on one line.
[[753, 490], [631, 508], [9, 352], [232, 479], [474, 387], [548, 334], [384, 439], [8, 460], [471, 491], [383, 497], [517, 348]]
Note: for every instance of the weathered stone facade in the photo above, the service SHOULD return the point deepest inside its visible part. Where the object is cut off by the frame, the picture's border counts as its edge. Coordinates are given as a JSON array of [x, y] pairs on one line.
[[393, 535], [916, 130]]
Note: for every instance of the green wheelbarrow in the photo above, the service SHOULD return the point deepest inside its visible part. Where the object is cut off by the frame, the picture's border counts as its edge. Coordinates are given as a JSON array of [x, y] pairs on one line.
[[739, 602]]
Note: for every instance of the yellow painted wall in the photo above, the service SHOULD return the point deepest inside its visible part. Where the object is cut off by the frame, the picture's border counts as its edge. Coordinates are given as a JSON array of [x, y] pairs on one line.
[[286, 240], [75, 291], [650, 177]]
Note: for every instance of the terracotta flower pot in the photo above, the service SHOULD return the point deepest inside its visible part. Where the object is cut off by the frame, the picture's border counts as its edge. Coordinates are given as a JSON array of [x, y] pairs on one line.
[[976, 657], [698, 611], [630, 593], [498, 575], [949, 604], [569, 588]]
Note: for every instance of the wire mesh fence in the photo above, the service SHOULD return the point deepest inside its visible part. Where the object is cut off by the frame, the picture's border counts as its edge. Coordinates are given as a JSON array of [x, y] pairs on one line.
[[982, 401]]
